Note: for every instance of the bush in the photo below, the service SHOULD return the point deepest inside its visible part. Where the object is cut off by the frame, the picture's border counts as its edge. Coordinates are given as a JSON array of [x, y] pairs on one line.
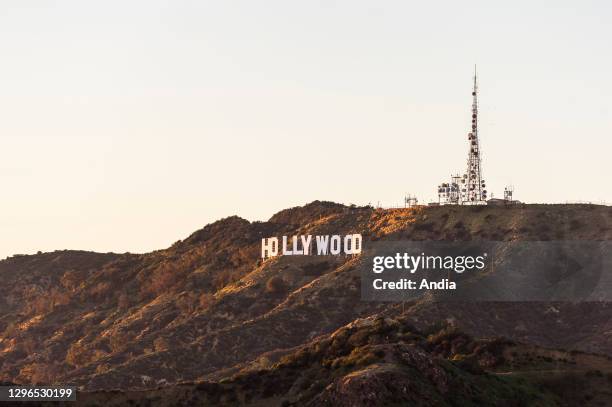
[[206, 300], [223, 278], [71, 279], [276, 285], [77, 355], [164, 278], [100, 290], [161, 344], [424, 226], [123, 302], [187, 303]]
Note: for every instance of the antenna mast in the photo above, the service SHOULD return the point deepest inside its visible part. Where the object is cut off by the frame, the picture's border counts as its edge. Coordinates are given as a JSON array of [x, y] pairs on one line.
[[473, 191]]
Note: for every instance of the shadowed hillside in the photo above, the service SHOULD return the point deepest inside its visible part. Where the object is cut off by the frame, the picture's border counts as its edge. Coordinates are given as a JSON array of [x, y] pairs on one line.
[[387, 361]]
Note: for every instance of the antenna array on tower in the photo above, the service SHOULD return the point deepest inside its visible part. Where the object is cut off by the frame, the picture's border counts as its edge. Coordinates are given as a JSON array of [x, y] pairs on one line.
[[468, 189]]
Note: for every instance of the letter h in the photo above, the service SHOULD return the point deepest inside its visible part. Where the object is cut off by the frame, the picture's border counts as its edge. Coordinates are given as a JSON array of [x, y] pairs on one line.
[[269, 247]]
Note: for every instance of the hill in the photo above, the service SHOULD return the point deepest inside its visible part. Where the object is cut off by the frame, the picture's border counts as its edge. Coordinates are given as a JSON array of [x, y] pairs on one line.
[[209, 310]]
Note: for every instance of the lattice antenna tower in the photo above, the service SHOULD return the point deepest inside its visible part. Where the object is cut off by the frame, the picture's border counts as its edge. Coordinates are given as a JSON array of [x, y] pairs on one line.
[[473, 190]]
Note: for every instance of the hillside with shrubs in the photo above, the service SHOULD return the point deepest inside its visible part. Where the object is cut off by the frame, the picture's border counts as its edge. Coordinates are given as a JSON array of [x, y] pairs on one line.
[[208, 309]]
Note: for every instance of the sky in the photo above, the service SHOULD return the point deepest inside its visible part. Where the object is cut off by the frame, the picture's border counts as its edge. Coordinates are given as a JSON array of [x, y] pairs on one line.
[[127, 125]]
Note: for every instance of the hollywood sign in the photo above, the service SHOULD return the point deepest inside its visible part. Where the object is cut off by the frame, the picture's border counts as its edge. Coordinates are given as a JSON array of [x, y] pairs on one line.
[[303, 245]]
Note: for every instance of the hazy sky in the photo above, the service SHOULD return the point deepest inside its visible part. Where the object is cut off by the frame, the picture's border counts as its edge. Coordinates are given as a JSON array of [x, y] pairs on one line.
[[126, 125]]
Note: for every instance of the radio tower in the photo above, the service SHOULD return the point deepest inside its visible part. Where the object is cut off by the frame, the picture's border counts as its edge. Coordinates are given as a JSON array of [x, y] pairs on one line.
[[473, 191]]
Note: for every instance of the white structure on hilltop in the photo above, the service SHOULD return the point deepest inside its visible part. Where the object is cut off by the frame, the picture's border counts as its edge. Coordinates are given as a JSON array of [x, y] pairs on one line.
[[468, 189]]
